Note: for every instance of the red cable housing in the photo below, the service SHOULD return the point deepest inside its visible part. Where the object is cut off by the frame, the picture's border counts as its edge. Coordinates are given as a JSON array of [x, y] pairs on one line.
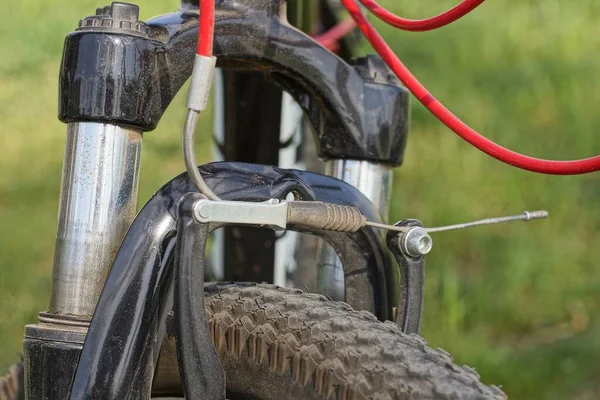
[[421, 25], [574, 167], [328, 39], [206, 28], [331, 37]]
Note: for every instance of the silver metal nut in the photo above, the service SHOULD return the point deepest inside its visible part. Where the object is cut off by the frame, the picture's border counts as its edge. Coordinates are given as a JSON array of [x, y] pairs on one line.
[[416, 242]]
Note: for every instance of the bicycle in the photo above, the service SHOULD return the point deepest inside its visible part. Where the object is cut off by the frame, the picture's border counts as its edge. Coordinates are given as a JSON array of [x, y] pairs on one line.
[[269, 340]]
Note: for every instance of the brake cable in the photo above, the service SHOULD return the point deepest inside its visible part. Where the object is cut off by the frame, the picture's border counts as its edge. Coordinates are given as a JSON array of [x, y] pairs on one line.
[[202, 76], [524, 216], [421, 25], [573, 167], [199, 92], [330, 38], [204, 66], [318, 216]]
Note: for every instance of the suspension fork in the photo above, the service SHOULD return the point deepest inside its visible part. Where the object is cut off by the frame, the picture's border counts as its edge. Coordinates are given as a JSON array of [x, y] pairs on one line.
[[359, 113], [118, 76]]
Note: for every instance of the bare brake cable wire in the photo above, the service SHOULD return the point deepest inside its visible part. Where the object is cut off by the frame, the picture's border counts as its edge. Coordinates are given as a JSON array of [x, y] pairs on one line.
[[525, 216]]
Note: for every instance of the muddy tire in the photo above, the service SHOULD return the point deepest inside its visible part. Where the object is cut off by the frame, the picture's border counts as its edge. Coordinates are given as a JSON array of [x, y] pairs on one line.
[[11, 384], [283, 343]]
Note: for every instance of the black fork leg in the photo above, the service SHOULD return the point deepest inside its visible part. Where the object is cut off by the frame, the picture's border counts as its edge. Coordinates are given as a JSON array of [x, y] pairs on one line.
[[201, 373]]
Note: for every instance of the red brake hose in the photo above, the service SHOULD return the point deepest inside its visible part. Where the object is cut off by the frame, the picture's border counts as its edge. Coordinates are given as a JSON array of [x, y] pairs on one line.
[[421, 25], [206, 28], [454, 123], [330, 38]]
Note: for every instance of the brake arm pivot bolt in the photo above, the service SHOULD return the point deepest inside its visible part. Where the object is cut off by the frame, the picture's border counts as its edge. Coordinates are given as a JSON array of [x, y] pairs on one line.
[[416, 242]]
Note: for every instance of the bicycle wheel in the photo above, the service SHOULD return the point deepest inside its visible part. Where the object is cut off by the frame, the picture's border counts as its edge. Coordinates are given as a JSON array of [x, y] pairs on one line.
[[277, 342]]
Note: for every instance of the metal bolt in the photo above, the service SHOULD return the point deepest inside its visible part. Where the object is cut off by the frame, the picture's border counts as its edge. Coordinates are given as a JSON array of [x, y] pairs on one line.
[[202, 211], [416, 242]]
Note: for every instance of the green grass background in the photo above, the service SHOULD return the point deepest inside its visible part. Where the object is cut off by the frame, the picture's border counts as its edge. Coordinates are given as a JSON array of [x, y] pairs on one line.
[[519, 302]]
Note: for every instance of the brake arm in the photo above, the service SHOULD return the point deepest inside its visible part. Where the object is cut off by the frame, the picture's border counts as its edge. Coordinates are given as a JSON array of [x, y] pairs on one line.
[[202, 376], [412, 279]]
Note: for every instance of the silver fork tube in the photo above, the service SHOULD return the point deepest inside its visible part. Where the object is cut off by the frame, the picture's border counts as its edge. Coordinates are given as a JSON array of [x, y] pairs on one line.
[[375, 182], [97, 205]]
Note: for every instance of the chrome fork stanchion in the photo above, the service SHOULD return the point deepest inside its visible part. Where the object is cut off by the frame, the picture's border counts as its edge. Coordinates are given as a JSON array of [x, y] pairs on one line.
[[97, 205], [375, 182]]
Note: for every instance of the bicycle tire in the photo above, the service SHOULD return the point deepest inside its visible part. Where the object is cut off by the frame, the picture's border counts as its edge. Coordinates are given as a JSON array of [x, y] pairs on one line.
[[275, 342], [11, 384]]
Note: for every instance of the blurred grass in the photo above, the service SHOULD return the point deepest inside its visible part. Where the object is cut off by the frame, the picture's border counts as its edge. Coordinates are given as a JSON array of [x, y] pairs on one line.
[[518, 302]]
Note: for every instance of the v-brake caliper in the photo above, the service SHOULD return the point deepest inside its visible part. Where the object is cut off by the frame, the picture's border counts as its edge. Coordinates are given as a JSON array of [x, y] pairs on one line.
[[408, 240]]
